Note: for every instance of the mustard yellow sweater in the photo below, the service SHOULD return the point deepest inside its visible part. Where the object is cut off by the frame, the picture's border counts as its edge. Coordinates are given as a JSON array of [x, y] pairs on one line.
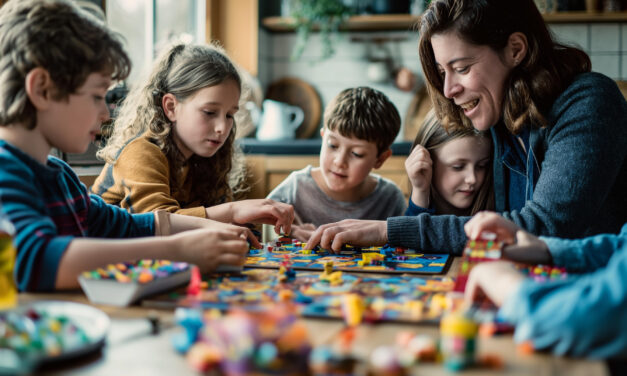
[[139, 181]]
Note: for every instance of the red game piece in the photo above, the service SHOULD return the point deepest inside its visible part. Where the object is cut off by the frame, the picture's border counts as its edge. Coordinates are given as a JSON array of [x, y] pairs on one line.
[[195, 281]]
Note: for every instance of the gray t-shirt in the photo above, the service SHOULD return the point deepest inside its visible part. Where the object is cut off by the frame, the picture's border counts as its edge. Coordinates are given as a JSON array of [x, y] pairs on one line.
[[312, 205]]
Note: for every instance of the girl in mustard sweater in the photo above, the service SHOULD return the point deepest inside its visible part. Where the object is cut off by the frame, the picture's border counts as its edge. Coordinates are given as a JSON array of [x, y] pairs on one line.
[[172, 149]]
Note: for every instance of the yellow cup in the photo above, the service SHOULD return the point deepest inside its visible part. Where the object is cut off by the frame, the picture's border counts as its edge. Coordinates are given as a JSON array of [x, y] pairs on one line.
[[8, 290]]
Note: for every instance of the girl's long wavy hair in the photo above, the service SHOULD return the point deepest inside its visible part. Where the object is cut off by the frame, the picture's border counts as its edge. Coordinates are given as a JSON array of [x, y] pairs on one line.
[[431, 135], [182, 71], [547, 69]]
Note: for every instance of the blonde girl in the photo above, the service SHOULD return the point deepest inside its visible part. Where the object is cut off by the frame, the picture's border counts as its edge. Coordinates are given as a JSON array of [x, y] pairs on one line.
[[172, 145], [450, 173]]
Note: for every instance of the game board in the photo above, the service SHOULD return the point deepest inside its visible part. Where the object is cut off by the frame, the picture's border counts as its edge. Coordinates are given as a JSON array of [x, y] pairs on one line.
[[384, 298], [355, 259]]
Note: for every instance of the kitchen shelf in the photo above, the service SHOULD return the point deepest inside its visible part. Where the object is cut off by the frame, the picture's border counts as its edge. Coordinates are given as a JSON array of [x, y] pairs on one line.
[[408, 22]]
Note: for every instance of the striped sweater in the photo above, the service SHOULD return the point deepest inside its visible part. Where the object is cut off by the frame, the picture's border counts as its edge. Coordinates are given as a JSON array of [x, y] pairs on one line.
[[49, 207]]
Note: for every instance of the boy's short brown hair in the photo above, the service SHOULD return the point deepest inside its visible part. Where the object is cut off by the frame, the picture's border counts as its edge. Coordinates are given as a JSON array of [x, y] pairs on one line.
[[366, 114], [55, 35]]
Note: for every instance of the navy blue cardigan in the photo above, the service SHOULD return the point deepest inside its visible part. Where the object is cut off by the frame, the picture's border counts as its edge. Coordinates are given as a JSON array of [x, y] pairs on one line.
[[581, 188]]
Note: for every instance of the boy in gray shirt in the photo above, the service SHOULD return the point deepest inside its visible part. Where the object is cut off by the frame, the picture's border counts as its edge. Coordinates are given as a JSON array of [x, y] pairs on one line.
[[360, 124]]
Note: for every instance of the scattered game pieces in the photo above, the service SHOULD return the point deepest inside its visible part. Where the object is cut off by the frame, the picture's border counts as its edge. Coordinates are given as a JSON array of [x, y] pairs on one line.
[[241, 343], [543, 273], [48, 331], [384, 298], [384, 259], [124, 283], [458, 341]]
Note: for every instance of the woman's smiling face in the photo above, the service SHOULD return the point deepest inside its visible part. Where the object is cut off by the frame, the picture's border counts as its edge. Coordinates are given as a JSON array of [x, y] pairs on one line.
[[474, 77]]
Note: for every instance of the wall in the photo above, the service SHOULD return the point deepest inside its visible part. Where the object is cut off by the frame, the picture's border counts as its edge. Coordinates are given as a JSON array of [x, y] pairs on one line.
[[606, 43]]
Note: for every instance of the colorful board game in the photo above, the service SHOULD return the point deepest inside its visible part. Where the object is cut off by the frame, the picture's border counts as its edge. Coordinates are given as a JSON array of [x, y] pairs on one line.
[[356, 259], [315, 294]]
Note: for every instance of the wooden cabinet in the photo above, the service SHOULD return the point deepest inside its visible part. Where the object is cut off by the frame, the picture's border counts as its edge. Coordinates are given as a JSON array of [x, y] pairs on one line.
[[235, 23], [267, 171]]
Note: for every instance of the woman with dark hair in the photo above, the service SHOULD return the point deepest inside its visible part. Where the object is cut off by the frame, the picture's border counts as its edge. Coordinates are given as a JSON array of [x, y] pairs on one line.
[[559, 132]]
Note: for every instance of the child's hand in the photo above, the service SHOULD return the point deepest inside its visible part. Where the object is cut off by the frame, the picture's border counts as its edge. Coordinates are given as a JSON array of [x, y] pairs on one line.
[[419, 167], [266, 211], [302, 232], [349, 231], [210, 247], [495, 280], [491, 222]]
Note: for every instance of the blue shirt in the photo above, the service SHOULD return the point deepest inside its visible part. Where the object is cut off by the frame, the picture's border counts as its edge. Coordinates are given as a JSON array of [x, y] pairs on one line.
[[583, 315], [413, 209], [517, 165], [49, 207]]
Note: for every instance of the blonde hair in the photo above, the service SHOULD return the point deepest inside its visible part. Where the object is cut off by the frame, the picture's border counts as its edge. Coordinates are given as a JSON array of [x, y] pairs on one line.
[[182, 71], [432, 135]]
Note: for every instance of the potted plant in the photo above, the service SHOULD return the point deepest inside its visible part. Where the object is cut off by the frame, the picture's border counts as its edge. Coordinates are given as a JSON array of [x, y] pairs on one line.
[[327, 15]]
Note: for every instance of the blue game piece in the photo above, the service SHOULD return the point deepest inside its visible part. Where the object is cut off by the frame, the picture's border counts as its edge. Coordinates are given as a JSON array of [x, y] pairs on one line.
[[191, 321]]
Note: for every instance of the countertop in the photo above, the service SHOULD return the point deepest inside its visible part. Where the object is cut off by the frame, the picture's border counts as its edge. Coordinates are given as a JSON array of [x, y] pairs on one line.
[[300, 147]]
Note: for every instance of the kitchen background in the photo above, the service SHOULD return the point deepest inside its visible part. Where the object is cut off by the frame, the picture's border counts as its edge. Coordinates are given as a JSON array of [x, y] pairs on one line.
[[371, 49], [361, 57]]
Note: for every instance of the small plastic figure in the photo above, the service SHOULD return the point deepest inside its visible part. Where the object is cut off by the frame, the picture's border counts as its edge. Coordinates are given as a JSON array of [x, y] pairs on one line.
[[458, 341], [353, 308]]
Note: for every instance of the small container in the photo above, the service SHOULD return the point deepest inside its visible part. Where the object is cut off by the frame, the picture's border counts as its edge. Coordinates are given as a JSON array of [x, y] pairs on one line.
[[458, 343], [8, 290]]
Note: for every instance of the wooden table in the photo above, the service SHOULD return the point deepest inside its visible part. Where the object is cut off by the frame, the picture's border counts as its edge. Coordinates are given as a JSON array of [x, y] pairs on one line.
[[132, 350]]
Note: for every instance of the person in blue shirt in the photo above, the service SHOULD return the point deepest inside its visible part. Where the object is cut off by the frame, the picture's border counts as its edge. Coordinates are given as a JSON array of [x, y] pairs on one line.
[[449, 171], [582, 315], [559, 130]]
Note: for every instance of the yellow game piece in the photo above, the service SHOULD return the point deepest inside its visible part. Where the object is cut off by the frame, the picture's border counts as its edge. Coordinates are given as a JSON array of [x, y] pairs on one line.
[[328, 267], [55, 326], [353, 309], [438, 304], [335, 278], [414, 308]]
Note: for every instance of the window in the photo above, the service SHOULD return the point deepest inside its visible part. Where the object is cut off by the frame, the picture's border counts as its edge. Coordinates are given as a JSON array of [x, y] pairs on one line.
[[150, 25]]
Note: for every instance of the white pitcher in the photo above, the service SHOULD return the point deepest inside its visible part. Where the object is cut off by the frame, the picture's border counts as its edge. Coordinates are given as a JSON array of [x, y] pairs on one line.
[[279, 121]]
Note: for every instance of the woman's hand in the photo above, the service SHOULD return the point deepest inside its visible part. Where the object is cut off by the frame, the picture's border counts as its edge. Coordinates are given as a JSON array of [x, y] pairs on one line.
[[302, 232], [523, 247], [210, 247], [349, 231], [419, 167], [266, 211], [494, 280]]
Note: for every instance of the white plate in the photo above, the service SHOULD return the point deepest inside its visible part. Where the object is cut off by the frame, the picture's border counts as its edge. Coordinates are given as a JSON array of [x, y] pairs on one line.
[[92, 321]]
